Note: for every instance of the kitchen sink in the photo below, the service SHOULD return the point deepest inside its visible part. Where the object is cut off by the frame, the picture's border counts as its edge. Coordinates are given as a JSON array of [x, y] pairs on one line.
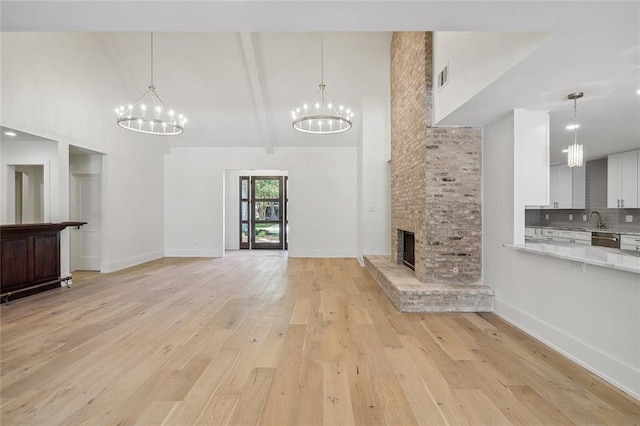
[[605, 239]]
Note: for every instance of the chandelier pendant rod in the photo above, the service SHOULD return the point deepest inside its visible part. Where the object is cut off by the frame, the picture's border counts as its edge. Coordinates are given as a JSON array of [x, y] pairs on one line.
[[322, 59], [152, 58]]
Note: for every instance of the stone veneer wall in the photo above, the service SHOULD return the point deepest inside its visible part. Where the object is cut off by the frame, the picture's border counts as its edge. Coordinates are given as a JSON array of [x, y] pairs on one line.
[[436, 173], [409, 115]]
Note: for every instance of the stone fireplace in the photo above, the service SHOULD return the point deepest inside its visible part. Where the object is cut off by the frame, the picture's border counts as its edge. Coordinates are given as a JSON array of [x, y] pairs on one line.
[[436, 193], [436, 173]]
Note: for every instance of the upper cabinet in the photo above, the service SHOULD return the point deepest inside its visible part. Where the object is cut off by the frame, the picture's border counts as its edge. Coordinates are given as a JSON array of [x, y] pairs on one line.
[[623, 180], [567, 187]]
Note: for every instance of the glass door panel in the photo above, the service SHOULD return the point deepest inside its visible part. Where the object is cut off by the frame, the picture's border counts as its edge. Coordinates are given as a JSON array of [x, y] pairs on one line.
[[244, 235], [267, 232], [267, 210], [267, 199], [244, 212]]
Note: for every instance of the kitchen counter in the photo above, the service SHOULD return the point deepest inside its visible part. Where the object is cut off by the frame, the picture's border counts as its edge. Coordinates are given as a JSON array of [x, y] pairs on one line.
[[606, 257]]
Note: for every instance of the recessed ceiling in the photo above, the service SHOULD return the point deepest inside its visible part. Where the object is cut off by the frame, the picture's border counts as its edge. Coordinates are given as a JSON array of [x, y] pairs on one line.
[[19, 136]]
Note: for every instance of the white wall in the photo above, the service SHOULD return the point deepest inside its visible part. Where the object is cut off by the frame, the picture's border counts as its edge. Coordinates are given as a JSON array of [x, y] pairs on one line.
[[593, 317], [322, 198], [375, 192], [475, 61], [61, 87]]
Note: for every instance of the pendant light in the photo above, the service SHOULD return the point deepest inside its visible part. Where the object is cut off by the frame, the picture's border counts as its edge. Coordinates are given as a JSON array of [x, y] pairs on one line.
[[575, 155], [321, 116], [149, 114]]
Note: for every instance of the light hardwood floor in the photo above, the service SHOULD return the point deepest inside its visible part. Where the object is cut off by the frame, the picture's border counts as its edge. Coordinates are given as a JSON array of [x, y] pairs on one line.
[[270, 340]]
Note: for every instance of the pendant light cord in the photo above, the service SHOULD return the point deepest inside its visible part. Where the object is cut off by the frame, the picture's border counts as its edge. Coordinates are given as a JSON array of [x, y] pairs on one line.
[[322, 58], [152, 58]]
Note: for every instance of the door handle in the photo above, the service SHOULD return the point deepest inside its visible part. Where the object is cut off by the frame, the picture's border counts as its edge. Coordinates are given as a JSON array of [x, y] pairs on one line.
[[605, 238]]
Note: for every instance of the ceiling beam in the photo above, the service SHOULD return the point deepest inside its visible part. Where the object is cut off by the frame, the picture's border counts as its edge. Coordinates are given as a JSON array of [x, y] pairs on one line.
[[256, 88]]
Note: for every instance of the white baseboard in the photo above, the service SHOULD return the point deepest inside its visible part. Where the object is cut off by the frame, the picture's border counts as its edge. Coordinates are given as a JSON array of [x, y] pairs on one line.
[[192, 253], [360, 260], [133, 261], [614, 371], [321, 253]]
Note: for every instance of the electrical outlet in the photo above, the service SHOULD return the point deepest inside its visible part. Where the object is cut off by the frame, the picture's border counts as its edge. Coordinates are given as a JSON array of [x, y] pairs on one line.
[[570, 217], [577, 266], [629, 218], [546, 216], [584, 217]]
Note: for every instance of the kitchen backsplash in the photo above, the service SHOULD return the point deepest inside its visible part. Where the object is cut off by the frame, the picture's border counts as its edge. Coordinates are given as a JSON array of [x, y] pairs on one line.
[[615, 219], [596, 184]]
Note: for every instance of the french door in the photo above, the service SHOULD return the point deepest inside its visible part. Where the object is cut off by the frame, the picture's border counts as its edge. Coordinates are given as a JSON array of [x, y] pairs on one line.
[[263, 218]]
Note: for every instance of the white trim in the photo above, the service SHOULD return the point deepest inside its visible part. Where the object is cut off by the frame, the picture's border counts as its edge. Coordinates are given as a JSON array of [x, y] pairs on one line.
[[193, 253], [133, 261], [614, 371], [322, 253]]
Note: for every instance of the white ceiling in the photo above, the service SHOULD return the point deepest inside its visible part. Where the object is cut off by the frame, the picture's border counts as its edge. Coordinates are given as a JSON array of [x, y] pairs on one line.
[[237, 68]]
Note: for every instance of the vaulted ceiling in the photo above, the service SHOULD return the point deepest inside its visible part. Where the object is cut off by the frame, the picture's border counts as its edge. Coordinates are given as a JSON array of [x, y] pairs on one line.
[[237, 68]]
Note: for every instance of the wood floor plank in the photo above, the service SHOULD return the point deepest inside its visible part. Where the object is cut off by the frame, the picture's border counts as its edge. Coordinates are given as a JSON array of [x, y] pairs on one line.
[[248, 410], [259, 338], [337, 408], [219, 410], [422, 403], [195, 403]]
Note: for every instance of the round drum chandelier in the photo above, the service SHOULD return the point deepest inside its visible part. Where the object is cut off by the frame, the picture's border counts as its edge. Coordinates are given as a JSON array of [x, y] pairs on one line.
[[148, 114], [321, 116]]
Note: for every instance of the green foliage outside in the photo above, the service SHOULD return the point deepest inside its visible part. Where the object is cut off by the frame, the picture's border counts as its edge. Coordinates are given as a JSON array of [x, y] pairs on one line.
[[267, 188]]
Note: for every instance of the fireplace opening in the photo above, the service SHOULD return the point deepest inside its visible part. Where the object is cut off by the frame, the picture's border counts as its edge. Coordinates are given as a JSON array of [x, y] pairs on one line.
[[408, 250]]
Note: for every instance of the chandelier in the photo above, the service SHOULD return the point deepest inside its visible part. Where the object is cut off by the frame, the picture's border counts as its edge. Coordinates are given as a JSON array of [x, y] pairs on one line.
[[149, 114], [575, 152], [321, 116]]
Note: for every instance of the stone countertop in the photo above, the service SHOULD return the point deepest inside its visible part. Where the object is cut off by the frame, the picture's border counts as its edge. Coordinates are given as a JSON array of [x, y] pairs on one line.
[[593, 255], [577, 228]]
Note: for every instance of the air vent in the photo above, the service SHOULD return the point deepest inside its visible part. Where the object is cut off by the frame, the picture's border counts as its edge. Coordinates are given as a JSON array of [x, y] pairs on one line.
[[443, 77]]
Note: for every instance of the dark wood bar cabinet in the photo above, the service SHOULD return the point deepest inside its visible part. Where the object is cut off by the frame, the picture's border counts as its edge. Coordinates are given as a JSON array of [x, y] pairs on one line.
[[30, 258]]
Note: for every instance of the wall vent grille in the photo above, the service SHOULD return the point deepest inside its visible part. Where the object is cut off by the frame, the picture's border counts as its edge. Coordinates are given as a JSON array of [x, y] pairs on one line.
[[443, 77]]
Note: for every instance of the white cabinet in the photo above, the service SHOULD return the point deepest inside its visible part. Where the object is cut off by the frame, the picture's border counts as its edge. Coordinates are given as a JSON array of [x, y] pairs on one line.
[[533, 232], [575, 237], [550, 234], [567, 187], [622, 180], [630, 242]]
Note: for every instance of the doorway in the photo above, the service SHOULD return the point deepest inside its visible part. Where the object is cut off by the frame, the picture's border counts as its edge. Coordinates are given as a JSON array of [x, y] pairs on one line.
[[263, 212], [85, 205]]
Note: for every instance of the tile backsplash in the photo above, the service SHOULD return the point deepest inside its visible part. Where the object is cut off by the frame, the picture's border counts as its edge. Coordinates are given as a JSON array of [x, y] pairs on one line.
[[615, 219], [596, 184]]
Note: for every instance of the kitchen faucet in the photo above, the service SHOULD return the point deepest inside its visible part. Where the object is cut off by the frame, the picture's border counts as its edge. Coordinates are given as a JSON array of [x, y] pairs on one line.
[[600, 225]]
